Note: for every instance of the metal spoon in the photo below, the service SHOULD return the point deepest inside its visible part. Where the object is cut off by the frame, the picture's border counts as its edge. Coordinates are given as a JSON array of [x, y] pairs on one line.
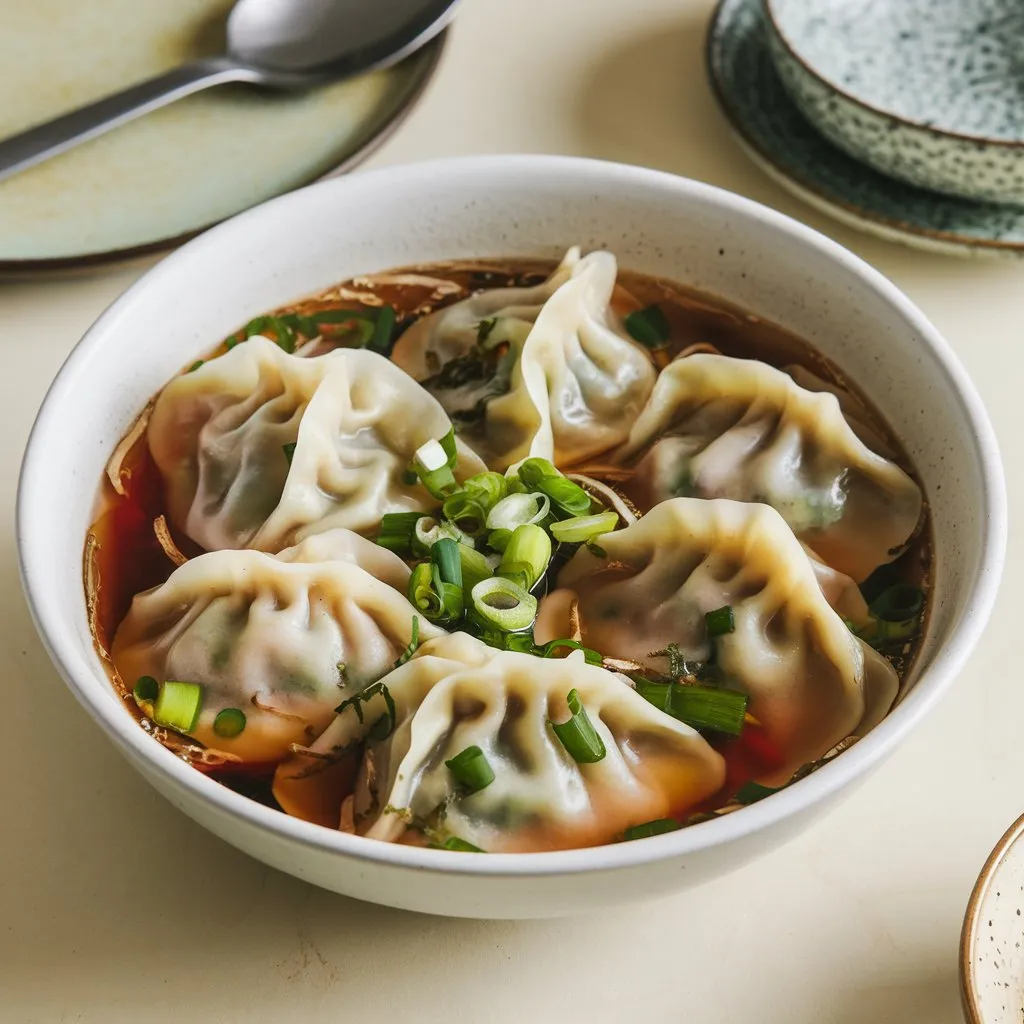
[[281, 44]]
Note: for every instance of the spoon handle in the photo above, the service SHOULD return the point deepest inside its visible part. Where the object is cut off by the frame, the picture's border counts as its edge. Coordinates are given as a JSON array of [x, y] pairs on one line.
[[62, 133]]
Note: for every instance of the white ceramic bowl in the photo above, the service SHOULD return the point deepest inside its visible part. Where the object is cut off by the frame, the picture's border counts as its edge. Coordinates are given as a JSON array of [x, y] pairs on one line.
[[494, 206]]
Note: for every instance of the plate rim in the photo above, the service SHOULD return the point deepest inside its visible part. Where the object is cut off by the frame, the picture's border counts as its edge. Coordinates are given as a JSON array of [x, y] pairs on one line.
[[909, 233], [408, 100]]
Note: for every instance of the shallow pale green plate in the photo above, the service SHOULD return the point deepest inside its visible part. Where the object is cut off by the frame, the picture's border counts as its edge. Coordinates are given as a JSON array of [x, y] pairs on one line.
[[178, 170]]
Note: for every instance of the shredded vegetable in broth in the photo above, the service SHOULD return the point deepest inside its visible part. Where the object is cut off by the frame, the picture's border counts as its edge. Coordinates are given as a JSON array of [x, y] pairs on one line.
[[509, 556]]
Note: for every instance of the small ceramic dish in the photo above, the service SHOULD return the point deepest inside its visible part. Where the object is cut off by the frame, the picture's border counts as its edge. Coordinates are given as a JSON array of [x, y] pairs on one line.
[[927, 91], [784, 144], [492, 206], [992, 940]]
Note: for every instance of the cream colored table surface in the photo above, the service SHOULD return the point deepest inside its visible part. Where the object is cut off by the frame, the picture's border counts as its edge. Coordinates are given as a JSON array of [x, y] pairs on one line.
[[114, 907]]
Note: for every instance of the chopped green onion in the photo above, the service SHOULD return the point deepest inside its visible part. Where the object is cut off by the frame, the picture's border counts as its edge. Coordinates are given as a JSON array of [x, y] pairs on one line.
[[898, 603], [257, 325], [581, 529], [354, 319], [484, 328], [177, 705], [229, 723], [471, 769], [465, 513], [590, 656], [532, 471], [433, 464], [383, 328], [460, 845], [397, 530], [452, 597], [445, 555], [289, 451], [486, 489], [146, 689], [520, 643], [566, 494], [526, 556], [421, 592], [503, 604], [700, 707], [658, 827], [518, 510], [498, 539], [285, 335], [578, 735], [474, 567], [413, 643], [195, 366], [751, 792], [389, 718], [648, 326], [720, 621], [428, 531]]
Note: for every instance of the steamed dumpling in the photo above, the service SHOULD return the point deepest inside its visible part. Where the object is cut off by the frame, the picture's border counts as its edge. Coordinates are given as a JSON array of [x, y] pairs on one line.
[[456, 693], [219, 437], [535, 372], [718, 427], [811, 682], [283, 638], [434, 341]]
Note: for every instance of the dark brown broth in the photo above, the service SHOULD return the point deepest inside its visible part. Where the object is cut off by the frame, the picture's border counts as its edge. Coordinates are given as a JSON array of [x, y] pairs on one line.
[[123, 557]]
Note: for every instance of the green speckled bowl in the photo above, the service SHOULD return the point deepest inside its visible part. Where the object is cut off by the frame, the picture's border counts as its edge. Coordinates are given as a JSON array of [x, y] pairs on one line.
[[928, 91], [781, 140], [176, 171]]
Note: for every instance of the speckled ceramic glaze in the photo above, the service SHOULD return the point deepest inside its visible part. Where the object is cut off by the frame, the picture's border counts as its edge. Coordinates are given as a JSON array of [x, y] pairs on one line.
[[928, 91], [176, 170], [992, 941], [782, 141], [490, 206]]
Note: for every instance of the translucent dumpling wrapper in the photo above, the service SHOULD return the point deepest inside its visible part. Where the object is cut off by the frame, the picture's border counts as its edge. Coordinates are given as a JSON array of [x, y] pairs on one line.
[[811, 682], [260, 448], [284, 639], [719, 427], [545, 371], [457, 693]]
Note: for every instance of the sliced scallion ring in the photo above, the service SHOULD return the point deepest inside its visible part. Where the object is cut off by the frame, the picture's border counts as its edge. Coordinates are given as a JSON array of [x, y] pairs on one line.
[[230, 722], [700, 707], [720, 621], [504, 605], [474, 567], [471, 770], [581, 529], [526, 556], [578, 735], [177, 705], [518, 510]]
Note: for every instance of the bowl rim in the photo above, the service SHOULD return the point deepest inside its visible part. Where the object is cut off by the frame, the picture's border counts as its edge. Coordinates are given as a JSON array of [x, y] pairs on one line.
[[58, 637], [795, 56], [969, 933]]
